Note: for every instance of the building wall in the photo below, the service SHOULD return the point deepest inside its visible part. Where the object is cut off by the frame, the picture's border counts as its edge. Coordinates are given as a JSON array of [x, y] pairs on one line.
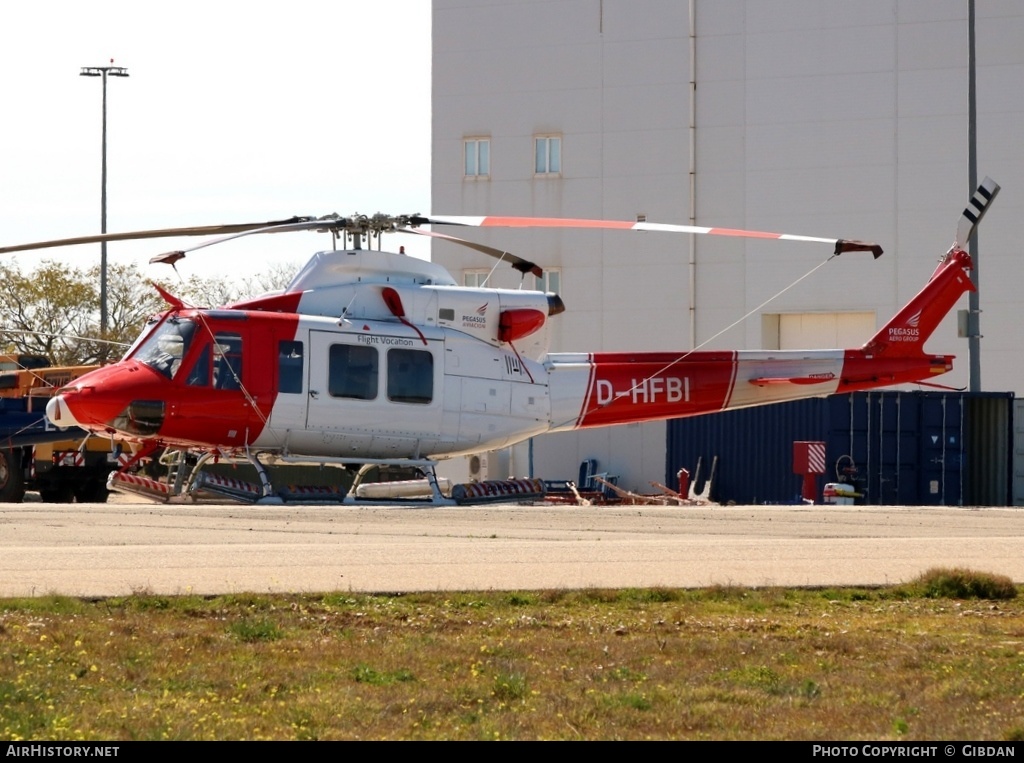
[[817, 117]]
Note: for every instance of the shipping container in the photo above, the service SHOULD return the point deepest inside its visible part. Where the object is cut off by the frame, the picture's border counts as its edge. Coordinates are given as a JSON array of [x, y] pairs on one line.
[[896, 447], [1018, 452]]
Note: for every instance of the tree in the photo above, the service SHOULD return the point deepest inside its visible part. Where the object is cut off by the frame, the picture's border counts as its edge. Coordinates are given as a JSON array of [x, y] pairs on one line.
[[217, 292], [48, 312], [131, 300]]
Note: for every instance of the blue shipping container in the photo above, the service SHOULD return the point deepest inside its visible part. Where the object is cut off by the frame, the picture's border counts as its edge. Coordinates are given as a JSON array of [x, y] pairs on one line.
[[908, 448]]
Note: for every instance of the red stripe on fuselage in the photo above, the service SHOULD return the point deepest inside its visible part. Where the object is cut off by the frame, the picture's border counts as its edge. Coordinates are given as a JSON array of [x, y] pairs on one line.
[[630, 387]]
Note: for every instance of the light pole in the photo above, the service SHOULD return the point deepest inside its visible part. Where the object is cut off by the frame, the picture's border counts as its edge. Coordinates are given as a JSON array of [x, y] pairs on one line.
[[103, 71], [974, 298]]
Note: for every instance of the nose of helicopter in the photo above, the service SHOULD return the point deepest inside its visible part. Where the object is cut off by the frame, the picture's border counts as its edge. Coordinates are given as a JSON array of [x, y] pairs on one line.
[[106, 400], [59, 413]]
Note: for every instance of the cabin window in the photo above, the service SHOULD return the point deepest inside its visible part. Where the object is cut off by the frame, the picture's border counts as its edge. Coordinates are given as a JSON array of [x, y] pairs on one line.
[[352, 372], [227, 361], [23, 362], [289, 367], [410, 376]]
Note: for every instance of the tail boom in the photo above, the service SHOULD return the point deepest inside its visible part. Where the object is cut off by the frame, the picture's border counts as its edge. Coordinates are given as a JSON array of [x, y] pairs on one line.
[[603, 389]]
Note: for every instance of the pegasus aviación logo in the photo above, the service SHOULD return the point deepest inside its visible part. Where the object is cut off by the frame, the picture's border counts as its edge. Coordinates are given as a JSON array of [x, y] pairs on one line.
[[479, 319]]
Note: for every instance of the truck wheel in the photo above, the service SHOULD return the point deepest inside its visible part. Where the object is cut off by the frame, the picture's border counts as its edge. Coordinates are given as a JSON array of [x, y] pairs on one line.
[[12, 481], [57, 494], [92, 491]]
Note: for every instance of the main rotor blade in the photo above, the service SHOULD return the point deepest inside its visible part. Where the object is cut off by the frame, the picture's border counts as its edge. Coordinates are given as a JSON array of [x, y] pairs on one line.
[[523, 266], [491, 221], [204, 230], [286, 226]]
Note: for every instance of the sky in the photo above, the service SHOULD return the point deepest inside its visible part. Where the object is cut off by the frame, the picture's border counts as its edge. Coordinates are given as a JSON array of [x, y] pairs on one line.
[[231, 113]]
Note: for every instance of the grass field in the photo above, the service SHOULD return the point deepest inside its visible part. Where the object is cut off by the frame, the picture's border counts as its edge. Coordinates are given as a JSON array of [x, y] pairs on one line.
[[939, 658]]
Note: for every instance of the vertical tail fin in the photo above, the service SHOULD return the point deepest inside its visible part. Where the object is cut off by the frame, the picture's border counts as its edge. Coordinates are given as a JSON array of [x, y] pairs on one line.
[[906, 333], [909, 329]]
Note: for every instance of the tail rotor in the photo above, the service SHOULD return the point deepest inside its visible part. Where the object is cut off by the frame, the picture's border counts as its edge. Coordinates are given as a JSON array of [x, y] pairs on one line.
[[974, 211]]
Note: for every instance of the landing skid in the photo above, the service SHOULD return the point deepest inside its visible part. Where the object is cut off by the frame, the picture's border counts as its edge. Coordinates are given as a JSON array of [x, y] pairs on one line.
[[187, 482]]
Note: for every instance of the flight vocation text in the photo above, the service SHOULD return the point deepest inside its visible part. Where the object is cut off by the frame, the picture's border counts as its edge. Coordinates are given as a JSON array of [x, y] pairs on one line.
[[388, 340], [657, 389]]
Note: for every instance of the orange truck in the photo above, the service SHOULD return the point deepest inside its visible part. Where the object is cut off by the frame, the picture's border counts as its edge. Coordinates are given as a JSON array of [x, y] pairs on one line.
[[62, 465]]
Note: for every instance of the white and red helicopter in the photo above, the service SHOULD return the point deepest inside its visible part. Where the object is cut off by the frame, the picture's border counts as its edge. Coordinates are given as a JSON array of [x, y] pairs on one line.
[[376, 357]]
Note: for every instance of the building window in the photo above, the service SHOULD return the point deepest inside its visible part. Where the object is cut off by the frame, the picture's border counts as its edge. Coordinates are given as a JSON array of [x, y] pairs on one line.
[[478, 157], [550, 281], [475, 279], [547, 155]]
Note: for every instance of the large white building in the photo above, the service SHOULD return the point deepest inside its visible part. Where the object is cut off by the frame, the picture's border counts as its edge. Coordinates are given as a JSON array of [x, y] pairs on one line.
[[819, 117]]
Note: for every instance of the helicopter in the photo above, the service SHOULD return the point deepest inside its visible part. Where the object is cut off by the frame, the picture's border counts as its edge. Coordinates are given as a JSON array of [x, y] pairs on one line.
[[374, 357]]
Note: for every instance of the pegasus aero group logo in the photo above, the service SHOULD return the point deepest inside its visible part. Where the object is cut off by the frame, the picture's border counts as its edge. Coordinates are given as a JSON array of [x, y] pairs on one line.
[[909, 331]]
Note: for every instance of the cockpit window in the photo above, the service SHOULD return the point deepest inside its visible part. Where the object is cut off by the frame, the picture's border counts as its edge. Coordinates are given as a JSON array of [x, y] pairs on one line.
[[166, 346], [227, 361], [217, 364], [199, 376]]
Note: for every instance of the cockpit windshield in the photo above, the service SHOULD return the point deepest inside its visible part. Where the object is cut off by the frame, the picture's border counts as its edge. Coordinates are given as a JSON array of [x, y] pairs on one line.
[[166, 346], [141, 337]]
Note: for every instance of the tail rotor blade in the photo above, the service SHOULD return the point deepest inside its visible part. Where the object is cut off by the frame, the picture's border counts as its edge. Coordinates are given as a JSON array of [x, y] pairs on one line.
[[975, 210]]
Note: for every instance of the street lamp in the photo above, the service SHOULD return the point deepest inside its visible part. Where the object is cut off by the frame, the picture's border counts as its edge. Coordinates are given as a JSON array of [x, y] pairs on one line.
[[103, 71]]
